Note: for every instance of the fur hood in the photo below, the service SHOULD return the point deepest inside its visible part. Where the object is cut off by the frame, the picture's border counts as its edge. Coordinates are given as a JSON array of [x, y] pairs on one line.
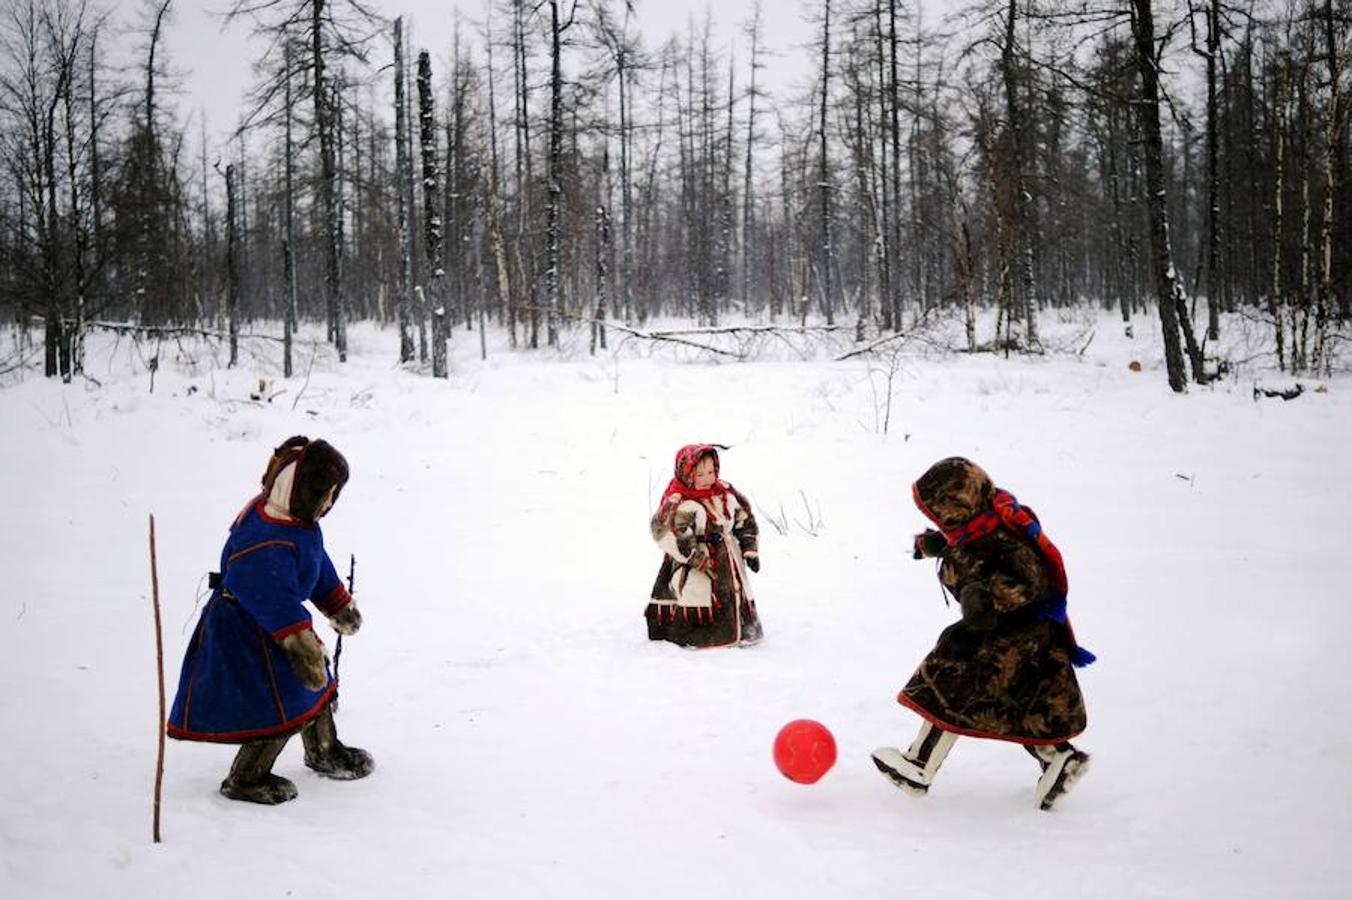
[[953, 491], [300, 475]]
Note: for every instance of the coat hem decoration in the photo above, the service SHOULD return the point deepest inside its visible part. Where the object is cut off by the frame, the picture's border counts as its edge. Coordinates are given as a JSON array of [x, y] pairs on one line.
[[938, 722], [290, 726]]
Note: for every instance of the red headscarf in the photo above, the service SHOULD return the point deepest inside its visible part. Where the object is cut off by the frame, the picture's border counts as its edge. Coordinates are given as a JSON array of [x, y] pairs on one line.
[[682, 485]]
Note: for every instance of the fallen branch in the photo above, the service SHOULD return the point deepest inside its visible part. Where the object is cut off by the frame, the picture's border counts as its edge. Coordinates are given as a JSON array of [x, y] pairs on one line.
[[1288, 394], [162, 331], [669, 337], [776, 330], [683, 336], [875, 344]]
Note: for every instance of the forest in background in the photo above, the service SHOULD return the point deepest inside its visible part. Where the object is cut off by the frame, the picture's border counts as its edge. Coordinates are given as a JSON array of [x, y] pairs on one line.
[[545, 167]]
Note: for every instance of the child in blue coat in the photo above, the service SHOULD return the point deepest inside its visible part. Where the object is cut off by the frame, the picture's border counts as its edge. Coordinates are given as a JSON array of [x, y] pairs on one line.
[[255, 672]]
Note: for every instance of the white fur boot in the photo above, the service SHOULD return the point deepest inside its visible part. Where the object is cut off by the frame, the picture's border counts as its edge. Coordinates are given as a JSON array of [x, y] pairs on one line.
[[913, 771], [1062, 766]]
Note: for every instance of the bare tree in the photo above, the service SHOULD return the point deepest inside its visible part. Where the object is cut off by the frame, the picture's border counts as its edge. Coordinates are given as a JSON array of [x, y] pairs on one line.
[[827, 261], [402, 175], [335, 29], [1331, 25], [557, 28], [506, 294], [432, 225], [1168, 285], [232, 260], [754, 33]]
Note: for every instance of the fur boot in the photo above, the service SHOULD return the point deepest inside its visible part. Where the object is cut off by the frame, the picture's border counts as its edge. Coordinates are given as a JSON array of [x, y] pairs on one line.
[[1062, 766], [251, 777], [914, 770], [329, 756]]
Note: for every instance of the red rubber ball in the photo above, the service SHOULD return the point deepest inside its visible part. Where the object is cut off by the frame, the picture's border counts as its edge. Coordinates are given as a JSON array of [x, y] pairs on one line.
[[804, 751]]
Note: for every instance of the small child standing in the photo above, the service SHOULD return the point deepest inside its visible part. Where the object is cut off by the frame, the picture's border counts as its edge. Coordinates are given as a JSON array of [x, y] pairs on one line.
[[1005, 671], [705, 527], [255, 672]]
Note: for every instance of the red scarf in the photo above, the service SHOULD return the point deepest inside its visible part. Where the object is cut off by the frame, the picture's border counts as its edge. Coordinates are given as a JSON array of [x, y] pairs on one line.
[[677, 488], [1006, 512]]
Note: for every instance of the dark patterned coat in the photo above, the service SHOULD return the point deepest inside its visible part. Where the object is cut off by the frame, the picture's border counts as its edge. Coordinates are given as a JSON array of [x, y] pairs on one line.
[[702, 594], [1004, 671]]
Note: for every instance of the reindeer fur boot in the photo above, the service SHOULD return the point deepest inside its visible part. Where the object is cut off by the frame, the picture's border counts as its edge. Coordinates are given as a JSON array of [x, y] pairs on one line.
[[251, 777], [1062, 766], [329, 756], [914, 770]]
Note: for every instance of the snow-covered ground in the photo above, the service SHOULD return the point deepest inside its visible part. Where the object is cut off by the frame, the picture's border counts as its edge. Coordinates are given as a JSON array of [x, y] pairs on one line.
[[531, 742]]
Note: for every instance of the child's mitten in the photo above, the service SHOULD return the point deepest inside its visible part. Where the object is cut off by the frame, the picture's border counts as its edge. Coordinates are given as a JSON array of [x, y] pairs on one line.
[[347, 620], [929, 543], [306, 655], [752, 560]]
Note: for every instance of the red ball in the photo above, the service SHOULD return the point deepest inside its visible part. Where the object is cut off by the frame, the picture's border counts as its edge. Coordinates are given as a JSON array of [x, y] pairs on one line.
[[804, 751]]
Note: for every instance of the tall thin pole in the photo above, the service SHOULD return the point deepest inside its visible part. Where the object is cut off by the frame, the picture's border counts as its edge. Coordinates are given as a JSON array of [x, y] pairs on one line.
[[159, 665]]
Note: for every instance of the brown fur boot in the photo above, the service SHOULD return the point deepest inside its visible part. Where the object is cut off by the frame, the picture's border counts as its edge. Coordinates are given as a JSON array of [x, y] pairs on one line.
[[251, 777], [329, 756]]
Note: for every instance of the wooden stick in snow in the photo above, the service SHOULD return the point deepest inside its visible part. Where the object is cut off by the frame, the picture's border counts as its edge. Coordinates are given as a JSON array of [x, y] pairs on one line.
[[159, 664]]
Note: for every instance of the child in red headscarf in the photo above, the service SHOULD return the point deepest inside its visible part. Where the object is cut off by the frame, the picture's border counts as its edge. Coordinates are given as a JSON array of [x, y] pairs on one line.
[[705, 527]]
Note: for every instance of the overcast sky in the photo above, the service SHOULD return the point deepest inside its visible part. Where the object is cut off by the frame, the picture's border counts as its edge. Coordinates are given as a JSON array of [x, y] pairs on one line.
[[216, 63]]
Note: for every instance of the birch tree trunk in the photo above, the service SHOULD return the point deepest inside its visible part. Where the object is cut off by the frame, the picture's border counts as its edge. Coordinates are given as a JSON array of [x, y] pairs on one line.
[[603, 250], [506, 295], [552, 299], [1276, 302], [339, 214], [1332, 154], [1168, 286], [402, 176], [886, 248], [1300, 324], [894, 110], [748, 186], [1022, 247], [823, 171], [432, 215], [290, 315], [232, 262], [328, 178], [524, 177]]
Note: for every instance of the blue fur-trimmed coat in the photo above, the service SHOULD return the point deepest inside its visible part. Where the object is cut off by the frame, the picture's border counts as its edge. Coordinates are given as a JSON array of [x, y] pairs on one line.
[[236, 683]]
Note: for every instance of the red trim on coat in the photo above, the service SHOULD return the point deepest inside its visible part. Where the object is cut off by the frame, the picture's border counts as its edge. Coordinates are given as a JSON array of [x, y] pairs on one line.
[[328, 606], [971, 732], [272, 676], [234, 737], [302, 625], [197, 662], [253, 501], [260, 546]]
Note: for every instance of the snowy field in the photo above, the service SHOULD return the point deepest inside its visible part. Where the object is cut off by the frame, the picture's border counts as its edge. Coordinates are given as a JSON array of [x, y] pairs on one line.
[[530, 742]]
